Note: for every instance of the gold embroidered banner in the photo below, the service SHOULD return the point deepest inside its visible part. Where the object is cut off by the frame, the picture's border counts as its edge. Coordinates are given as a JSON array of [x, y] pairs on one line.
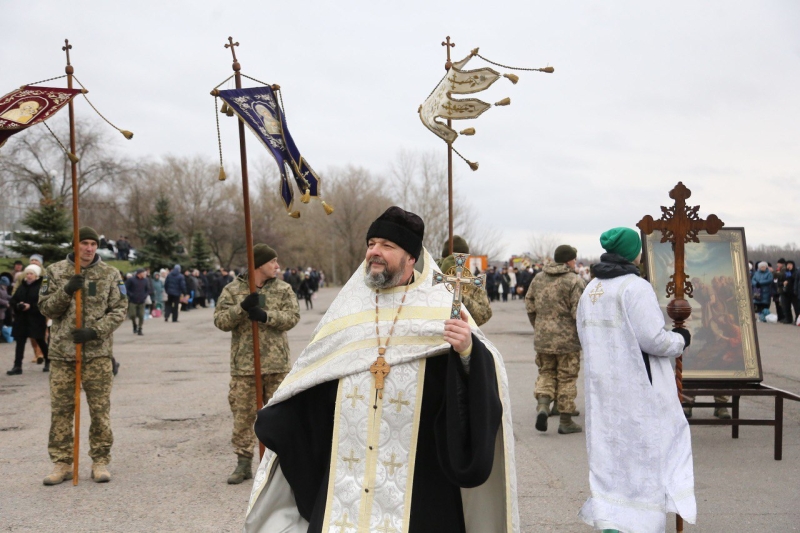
[[30, 105]]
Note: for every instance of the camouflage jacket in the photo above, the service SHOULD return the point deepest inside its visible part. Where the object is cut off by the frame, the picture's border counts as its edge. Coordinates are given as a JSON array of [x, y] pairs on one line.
[[476, 300], [104, 307], [552, 305], [283, 313]]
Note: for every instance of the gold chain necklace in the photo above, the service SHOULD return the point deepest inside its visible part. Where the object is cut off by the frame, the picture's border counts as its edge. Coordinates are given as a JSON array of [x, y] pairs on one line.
[[380, 368]]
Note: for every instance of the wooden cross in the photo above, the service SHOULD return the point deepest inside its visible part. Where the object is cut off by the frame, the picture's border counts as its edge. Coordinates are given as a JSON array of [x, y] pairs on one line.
[[386, 528], [380, 369], [350, 460], [449, 64], [66, 48], [399, 401], [231, 45], [679, 225], [344, 523], [355, 396], [456, 281], [392, 465]]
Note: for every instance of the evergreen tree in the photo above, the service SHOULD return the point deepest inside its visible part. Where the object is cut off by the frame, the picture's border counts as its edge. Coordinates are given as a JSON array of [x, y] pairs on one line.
[[160, 249], [201, 252], [51, 233]]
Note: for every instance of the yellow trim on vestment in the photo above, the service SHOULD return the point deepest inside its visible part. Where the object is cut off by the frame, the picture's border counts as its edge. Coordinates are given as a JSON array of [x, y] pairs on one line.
[[386, 314], [371, 462], [412, 448], [360, 345], [334, 456]]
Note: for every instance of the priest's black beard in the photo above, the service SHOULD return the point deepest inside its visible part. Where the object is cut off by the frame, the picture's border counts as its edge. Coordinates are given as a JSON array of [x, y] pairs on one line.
[[383, 280]]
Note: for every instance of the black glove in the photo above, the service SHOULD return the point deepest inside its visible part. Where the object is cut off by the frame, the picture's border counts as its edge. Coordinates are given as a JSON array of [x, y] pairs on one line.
[[687, 337], [74, 284], [250, 301], [82, 335], [257, 314]]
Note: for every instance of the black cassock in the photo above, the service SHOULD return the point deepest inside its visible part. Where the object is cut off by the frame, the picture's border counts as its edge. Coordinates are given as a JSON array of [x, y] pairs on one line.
[[459, 420]]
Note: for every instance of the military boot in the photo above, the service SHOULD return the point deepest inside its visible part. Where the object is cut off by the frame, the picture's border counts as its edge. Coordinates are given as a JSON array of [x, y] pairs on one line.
[[100, 473], [542, 412], [555, 412], [722, 413], [567, 426], [61, 471], [244, 470]]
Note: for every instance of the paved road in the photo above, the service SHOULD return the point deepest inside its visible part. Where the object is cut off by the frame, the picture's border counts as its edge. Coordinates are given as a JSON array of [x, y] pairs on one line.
[[172, 455]]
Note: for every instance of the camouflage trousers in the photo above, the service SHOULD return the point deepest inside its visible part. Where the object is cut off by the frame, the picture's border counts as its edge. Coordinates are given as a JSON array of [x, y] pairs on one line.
[[242, 397], [96, 378], [558, 375]]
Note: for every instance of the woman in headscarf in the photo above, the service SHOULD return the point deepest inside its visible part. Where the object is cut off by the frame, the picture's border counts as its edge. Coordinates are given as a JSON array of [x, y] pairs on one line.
[[28, 321]]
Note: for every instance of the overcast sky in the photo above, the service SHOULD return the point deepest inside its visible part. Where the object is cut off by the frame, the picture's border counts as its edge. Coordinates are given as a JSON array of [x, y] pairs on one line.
[[644, 95]]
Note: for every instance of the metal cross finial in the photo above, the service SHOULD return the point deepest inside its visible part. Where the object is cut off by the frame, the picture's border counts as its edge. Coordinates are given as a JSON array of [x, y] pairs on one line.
[[231, 45], [66, 48], [448, 45], [457, 281]]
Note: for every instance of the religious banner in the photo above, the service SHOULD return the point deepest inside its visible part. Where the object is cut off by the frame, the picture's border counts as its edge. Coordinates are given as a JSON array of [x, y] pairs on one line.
[[258, 108], [30, 105]]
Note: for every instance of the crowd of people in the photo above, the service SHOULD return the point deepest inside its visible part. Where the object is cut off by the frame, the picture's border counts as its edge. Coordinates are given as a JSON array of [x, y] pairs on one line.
[[777, 286]]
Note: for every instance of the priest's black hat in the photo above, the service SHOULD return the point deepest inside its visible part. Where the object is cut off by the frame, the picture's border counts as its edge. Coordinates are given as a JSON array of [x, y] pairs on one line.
[[402, 227]]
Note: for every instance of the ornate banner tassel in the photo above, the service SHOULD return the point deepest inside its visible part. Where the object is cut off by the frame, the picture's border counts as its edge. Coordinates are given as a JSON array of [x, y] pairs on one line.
[[468, 131], [328, 209], [513, 77], [294, 214], [504, 101], [127, 134], [222, 175], [306, 196]]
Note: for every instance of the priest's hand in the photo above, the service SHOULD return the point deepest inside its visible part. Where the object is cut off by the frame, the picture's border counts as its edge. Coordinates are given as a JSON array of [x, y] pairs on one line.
[[458, 334]]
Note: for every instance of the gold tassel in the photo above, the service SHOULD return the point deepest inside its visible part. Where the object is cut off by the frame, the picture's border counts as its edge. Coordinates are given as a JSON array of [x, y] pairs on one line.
[[228, 110], [127, 134], [513, 77], [295, 214], [473, 166], [504, 101], [306, 196], [224, 108], [222, 175], [72, 157], [549, 70], [328, 209], [468, 131]]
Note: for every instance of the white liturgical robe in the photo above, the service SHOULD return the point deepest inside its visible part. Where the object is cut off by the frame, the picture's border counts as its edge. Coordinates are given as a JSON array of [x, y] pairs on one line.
[[637, 438]]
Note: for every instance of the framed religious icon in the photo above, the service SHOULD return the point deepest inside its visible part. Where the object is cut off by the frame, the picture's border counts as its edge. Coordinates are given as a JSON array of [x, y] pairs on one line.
[[724, 341]]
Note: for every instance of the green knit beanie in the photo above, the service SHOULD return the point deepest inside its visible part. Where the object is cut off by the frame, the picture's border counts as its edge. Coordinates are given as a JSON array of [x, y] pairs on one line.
[[263, 254], [87, 233], [622, 241], [460, 246], [565, 253]]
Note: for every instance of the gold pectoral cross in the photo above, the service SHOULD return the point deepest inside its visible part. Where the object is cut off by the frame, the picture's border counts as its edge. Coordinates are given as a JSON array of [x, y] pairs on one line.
[[380, 369]]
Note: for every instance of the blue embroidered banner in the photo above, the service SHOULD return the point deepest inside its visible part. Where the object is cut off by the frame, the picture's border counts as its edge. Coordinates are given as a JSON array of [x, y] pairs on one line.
[[259, 109]]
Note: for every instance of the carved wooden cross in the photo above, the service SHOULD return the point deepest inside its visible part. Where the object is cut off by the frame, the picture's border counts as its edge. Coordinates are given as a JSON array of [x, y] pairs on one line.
[[456, 281], [679, 225], [231, 45], [66, 48], [380, 369]]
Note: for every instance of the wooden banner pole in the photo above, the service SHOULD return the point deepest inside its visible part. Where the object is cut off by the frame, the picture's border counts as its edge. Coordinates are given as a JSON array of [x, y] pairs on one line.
[[248, 228], [76, 254], [448, 64]]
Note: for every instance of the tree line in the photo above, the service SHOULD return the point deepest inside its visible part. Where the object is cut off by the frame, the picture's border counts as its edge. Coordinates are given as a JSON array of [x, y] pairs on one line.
[[175, 208]]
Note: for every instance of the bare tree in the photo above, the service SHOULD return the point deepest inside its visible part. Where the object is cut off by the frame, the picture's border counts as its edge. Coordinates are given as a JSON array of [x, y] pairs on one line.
[[34, 162], [543, 245]]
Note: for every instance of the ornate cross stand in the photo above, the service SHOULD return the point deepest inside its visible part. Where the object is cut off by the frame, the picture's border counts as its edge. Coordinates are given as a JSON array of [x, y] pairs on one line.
[[679, 225], [455, 282]]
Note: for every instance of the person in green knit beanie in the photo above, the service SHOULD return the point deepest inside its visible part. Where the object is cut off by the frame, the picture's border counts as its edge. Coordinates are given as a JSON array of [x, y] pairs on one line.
[[622, 241]]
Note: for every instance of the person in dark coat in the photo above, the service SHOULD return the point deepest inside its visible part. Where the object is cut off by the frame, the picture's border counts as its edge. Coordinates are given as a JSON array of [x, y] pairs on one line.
[[29, 323], [787, 279], [175, 287], [305, 292], [138, 288]]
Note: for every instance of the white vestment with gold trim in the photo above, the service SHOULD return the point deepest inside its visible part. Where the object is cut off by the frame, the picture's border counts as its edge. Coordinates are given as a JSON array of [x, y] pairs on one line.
[[374, 439]]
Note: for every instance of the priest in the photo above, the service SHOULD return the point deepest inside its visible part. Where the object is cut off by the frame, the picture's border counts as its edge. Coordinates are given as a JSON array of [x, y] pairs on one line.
[[395, 418]]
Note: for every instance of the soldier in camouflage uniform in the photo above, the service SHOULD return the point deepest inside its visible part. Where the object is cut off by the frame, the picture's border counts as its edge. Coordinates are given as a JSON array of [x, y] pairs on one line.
[[104, 308], [552, 305], [274, 306], [476, 300]]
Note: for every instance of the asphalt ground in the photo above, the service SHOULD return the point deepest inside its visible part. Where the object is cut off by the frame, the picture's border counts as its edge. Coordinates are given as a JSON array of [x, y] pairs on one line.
[[172, 453]]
